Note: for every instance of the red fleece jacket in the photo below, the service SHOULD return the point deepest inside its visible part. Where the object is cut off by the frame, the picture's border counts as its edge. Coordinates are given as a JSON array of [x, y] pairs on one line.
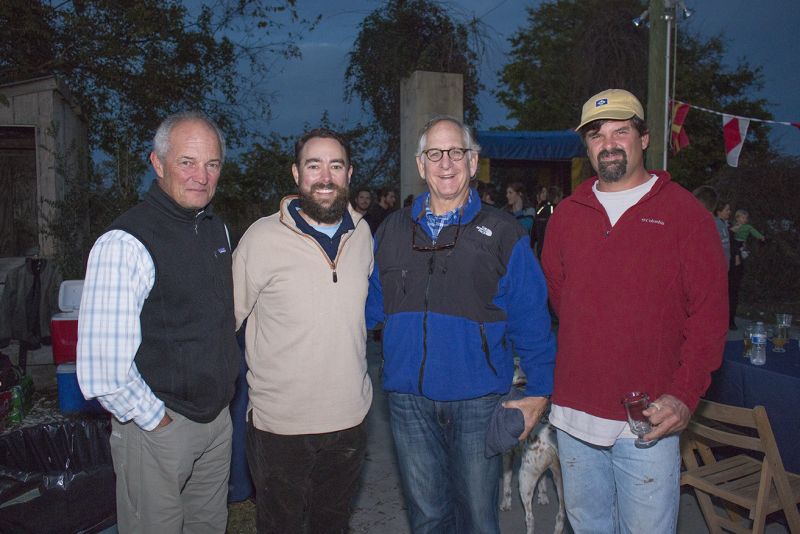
[[642, 305]]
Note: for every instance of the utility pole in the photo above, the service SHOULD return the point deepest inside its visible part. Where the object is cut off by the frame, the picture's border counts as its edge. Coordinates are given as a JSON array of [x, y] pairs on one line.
[[661, 14]]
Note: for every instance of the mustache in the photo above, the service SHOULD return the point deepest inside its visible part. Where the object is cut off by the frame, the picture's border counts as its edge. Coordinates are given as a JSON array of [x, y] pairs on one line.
[[612, 152], [325, 187]]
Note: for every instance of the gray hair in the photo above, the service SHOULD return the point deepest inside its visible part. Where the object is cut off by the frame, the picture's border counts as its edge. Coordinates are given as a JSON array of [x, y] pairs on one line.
[[161, 139], [469, 138]]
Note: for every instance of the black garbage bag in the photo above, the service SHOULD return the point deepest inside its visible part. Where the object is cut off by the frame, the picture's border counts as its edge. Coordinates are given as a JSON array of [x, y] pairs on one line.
[[57, 477]]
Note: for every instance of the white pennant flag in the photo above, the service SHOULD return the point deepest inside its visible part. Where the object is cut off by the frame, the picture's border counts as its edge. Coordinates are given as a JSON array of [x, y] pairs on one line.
[[734, 129]]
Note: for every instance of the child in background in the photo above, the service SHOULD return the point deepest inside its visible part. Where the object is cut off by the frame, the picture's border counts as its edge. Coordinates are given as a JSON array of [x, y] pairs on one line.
[[743, 229]]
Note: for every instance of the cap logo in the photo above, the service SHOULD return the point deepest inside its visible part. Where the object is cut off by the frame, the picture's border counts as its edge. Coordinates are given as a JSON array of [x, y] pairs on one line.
[[601, 102]]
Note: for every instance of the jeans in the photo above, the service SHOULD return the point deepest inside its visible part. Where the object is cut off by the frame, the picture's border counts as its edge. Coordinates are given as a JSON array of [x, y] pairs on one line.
[[620, 489], [305, 483], [449, 484]]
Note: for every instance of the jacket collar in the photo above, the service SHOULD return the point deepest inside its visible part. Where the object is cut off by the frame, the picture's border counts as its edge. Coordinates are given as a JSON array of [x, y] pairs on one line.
[[287, 218], [165, 203], [584, 194], [471, 207]]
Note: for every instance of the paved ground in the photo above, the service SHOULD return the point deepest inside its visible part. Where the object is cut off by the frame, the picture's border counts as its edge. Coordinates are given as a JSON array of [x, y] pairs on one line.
[[380, 507]]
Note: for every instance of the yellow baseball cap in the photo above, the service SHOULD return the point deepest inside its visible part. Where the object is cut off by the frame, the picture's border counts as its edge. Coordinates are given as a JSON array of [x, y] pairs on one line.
[[615, 104]]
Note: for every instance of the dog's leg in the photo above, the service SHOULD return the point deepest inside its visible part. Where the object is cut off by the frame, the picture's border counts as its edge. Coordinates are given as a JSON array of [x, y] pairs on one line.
[[534, 464], [541, 491], [508, 473], [555, 468]]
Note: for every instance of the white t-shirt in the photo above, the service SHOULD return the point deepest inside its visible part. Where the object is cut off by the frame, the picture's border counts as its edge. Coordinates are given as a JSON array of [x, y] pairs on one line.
[[581, 425], [618, 202]]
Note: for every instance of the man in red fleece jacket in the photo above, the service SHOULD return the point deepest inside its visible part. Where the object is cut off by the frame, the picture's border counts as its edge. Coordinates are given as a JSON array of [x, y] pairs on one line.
[[636, 274]]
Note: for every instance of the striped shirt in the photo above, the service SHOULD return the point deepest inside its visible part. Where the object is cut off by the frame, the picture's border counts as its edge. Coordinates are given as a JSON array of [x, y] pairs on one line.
[[119, 276]]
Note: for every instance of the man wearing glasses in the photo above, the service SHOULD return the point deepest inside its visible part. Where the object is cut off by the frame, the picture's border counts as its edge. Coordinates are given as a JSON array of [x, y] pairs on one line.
[[458, 290]]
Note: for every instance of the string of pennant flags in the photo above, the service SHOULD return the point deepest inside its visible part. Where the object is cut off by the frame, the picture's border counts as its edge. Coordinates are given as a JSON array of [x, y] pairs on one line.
[[734, 129]]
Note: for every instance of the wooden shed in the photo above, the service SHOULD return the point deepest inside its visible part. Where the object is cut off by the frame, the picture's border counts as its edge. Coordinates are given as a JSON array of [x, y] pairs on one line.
[[43, 140]]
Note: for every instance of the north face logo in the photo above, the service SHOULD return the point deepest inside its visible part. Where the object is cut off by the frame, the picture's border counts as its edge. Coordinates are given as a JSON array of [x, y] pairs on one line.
[[485, 231]]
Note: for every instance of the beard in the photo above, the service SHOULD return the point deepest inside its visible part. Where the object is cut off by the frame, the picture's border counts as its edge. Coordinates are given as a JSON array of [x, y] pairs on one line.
[[612, 171], [325, 214]]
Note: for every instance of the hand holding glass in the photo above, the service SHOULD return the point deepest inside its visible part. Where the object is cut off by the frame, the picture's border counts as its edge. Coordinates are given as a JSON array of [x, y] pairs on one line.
[[635, 403]]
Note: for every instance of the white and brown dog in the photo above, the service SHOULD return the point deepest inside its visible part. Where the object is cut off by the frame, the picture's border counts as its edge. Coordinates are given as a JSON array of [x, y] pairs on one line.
[[539, 453]]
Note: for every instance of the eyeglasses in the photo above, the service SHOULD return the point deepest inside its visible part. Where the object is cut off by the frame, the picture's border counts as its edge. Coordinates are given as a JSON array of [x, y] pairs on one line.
[[455, 154], [435, 246]]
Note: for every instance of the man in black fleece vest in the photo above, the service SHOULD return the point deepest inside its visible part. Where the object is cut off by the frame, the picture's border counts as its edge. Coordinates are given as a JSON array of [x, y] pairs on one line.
[[156, 339]]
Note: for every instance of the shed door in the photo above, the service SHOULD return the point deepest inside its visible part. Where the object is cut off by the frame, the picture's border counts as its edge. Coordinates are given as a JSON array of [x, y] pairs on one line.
[[19, 218]]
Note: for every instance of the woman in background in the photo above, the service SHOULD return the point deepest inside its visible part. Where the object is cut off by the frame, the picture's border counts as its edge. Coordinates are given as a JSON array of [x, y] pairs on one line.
[[519, 206]]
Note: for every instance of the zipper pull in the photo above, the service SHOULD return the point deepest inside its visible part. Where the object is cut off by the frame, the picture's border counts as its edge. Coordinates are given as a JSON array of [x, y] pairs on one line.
[[335, 279]]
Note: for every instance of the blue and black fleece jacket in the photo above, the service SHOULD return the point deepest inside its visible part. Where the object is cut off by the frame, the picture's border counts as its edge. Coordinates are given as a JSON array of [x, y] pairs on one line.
[[454, 317]]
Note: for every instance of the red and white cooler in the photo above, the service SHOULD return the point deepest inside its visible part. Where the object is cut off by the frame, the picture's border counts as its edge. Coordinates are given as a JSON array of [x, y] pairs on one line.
[[64, 325]]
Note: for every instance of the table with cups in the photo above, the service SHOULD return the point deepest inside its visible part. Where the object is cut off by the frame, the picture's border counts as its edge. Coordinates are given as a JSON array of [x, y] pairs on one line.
[[774, 385]]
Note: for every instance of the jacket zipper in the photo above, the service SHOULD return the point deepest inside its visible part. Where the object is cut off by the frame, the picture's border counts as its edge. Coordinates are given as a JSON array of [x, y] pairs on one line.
[[485, 346], [331, 264], [425, 324]]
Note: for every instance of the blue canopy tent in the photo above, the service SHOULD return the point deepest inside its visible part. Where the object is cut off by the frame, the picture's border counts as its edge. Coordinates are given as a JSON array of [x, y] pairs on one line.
[[532, 157], [531, 146]]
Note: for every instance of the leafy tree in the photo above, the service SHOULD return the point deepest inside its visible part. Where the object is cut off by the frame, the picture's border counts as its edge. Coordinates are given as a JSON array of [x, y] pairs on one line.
[[393, 41], [567, 51], [129, 64], [252, 186], [572, 49], [92, 200]]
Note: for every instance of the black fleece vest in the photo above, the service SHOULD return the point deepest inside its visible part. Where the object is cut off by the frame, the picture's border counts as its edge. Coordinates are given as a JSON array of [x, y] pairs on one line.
[[188, 355]]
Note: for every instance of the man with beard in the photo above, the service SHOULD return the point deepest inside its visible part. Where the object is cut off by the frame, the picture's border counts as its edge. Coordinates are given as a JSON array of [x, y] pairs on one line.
[[363, 200], [636, 275], [301, 276]]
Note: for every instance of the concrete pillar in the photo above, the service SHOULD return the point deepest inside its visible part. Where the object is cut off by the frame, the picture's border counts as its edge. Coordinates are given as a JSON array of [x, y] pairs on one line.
[[657, 81], [423, 95]]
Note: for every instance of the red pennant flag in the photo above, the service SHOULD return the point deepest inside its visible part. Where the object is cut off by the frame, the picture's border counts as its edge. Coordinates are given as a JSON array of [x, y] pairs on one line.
[[678, 137], [734, 129]]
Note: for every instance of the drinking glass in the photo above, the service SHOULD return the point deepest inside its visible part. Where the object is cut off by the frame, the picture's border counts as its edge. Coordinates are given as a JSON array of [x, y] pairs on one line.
[[783, 322], [635, 403], [747, 334]]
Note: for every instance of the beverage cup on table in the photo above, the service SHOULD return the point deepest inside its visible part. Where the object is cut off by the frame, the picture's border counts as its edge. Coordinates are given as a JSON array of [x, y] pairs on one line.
[[747, 334], [635, 403], [780, 337]]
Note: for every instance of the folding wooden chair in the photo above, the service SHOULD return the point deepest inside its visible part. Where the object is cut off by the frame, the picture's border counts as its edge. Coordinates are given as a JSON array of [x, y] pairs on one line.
[[761, 486]]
